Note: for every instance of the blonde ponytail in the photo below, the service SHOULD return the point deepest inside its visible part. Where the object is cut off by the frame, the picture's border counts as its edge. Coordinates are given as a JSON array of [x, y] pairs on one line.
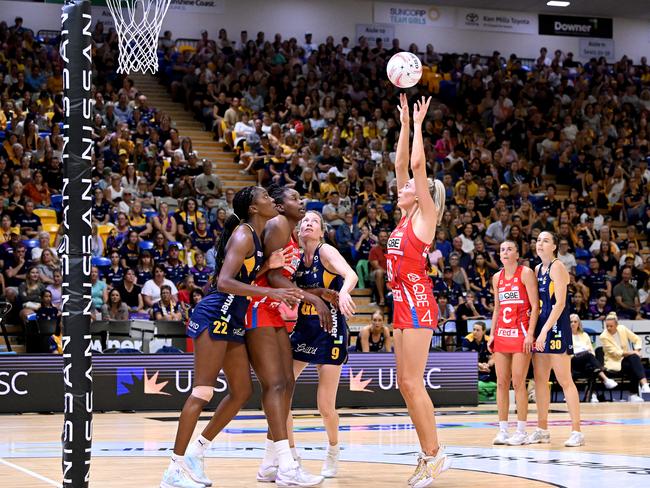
[[439, 195]]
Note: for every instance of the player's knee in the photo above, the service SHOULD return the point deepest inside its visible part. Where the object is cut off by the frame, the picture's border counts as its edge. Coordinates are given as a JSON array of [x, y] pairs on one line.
[[327, 410], [241, 392], [203, 393], [410, 386], [277, 386], [518, 382], [503, 383]]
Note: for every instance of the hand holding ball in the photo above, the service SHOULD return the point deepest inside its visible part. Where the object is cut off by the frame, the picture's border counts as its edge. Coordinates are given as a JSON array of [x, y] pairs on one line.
[[404, 69]]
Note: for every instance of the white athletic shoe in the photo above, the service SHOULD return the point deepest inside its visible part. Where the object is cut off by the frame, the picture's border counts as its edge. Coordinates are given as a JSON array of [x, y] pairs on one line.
[[539, 436], [636, 399], [331, 464], [502, 438], [267, 473], [517, 439], [195, 467], [594, 398], [577, 439], [297, 476], [645, 388], [432, 468], [176, 477], [610, 383], [418, 468]]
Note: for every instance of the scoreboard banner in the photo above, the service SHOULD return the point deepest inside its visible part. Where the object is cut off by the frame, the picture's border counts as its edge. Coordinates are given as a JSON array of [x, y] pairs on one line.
[[145, 382]]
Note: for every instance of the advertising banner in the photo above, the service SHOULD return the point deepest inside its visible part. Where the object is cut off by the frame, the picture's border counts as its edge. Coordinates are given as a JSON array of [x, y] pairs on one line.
[[574, 26], [33, 383], [413, 14], [595, 48], [373, 31], [496, 21]]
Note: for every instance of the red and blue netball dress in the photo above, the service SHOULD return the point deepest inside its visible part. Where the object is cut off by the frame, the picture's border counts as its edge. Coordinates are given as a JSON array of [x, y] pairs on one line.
[[264, 311], [514, 313], [414, 304], [310, 342], [224, 314], [559, 339]]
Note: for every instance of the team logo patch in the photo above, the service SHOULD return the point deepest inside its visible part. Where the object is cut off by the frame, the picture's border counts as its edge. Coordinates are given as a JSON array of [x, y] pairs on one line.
[[508, 332], [508, 295], [394, 243], [413, 278]]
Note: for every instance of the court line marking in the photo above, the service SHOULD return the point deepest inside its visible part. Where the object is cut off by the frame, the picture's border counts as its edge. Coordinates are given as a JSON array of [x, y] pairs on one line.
[[31, 473]]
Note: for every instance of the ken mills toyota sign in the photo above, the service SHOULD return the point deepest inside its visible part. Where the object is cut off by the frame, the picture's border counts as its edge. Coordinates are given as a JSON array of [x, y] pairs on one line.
[[563, 25]]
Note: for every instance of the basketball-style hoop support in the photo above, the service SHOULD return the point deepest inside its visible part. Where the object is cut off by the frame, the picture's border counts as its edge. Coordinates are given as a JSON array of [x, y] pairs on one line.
[[138, 24]]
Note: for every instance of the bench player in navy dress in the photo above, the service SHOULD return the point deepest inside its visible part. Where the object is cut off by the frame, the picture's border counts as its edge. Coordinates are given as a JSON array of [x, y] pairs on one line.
[[554, 341], [217, 327], [324, 271]]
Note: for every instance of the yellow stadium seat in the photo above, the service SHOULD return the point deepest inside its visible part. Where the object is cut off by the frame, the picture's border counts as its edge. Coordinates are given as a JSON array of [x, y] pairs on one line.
[[47, 215], [53, 230], [104, 230]]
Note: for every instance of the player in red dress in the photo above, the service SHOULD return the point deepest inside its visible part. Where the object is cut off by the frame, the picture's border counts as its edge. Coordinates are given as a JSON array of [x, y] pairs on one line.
[[422, 202], [516, 308], [269, 347]]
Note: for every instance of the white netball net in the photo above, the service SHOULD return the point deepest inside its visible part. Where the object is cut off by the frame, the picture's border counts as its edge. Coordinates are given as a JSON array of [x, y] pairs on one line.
[[138, 24]]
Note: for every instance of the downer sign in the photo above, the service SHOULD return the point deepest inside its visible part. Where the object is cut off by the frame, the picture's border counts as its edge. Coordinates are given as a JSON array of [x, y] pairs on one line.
[[562, 25]]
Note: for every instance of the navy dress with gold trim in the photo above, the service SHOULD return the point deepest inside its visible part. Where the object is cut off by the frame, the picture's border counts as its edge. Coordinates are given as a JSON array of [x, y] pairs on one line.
[[223, 314], [311, 343], [559, 339]]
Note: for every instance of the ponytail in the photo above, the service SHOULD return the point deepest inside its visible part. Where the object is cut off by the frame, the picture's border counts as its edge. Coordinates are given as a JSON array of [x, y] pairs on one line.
[[439, 195], [241, 203]]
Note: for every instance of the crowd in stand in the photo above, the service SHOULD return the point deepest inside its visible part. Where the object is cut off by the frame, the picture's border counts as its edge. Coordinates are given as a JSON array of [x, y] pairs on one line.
[[550, 144]]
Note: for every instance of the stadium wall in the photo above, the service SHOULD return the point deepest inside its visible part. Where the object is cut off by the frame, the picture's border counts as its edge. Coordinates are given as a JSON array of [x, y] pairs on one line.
[[339, 18]]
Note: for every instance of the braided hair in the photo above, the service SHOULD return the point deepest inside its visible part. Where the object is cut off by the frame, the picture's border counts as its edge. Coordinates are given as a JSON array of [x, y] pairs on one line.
[[276, 192], [241, 203]]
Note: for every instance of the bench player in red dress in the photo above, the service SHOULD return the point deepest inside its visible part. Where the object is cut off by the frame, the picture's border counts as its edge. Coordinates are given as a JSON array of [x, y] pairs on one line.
[[422, 202], [516, 308]]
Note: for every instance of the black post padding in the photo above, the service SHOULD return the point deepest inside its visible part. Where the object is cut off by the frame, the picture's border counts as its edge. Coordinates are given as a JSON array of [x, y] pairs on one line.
[[75, 249]]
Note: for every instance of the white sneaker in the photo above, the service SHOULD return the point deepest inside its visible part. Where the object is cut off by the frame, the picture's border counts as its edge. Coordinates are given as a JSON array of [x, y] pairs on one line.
[[610, 383], [577, 439], [594, 398], [645, 388], [432, 468], [517, 439], [297, 476], [176, 477], [418, 469], [331, 464], [502, 438], [267, 473], [636, 399], [539, 436], [195, 467]]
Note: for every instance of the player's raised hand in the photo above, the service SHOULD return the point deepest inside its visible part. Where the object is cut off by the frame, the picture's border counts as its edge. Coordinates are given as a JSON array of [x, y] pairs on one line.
[[403, 109], [420, 109]]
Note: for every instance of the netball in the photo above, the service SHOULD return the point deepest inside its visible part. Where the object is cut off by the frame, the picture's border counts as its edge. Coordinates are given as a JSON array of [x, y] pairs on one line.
[[404, 69]]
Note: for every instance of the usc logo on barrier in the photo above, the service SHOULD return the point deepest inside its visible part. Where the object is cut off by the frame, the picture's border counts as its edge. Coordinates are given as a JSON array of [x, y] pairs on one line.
[[9, 383]]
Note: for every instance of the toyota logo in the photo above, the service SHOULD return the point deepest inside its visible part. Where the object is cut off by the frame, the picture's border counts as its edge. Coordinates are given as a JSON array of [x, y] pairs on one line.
[[471, 17]]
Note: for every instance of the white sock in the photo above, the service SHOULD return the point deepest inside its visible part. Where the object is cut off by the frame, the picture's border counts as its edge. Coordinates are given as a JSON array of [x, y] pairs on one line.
[[283, 451], [176, 461], [334, 449], [294, 452], [503, 425], [199, 446], [270, 458], [521, 426]]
